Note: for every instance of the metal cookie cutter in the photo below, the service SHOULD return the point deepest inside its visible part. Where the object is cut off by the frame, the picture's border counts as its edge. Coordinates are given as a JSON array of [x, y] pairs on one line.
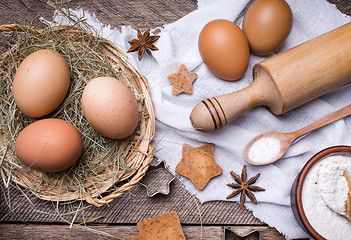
[[230, 234], [157, 179]]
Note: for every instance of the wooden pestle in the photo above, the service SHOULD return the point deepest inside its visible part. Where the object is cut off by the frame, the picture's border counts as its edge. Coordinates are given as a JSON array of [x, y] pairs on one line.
[[284, 81]]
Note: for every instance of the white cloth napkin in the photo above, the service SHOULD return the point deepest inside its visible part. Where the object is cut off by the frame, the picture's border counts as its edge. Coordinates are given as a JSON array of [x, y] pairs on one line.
[[178, 45]]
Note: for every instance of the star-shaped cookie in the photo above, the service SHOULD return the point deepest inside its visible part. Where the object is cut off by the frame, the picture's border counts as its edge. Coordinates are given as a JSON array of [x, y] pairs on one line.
[[198, 164], [163, 227], [182, 80]]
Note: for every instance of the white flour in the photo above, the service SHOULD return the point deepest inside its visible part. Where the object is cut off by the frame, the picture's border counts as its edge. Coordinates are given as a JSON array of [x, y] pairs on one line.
[[264, 150], [323, 195], [332, 184]]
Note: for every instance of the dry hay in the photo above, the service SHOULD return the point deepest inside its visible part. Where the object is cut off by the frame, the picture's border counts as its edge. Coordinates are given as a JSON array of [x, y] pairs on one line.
[[103, 162]]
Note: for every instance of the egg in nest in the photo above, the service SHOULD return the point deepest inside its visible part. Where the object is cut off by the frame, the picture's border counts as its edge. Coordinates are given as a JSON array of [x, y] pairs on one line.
[[110, 107], [41, 83], [49, 145]]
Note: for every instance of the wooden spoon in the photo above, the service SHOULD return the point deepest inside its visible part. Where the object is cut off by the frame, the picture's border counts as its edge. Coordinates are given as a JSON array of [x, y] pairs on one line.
[[347, 175], [286, 139]]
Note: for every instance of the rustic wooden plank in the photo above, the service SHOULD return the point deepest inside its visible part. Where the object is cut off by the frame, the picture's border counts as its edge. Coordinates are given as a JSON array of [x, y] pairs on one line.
[[137, 13], [344, 6], [131, 207], [43, 232]]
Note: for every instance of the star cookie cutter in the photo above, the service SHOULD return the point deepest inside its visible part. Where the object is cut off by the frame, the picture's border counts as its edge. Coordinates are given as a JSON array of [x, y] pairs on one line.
[[157, 179], [230, 234]]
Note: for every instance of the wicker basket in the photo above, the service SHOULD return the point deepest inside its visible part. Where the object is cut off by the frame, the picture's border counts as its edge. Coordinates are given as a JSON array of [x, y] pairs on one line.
[[137, 160]]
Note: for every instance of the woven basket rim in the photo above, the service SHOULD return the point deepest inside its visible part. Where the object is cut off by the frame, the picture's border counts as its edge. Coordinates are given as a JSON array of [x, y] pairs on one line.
[[140, 162]]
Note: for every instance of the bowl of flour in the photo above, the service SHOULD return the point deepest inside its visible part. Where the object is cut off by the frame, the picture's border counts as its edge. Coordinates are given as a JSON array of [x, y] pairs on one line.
[[321, 194]]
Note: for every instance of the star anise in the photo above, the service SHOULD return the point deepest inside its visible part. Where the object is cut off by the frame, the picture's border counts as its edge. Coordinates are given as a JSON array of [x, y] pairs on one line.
[[143, 43], [244, 186]]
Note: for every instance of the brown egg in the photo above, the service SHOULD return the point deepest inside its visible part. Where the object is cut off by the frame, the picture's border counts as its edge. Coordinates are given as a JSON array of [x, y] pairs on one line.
[[110, 107], [41, 83], [224, 49], [49, 145], [267, 24]]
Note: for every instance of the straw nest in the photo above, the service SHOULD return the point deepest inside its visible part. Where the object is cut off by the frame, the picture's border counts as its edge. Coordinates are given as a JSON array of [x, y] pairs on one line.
[[107, 168]]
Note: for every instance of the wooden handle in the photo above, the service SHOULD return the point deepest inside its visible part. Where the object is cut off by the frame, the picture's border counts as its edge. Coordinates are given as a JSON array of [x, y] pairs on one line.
[[216, 112], [343, 112]]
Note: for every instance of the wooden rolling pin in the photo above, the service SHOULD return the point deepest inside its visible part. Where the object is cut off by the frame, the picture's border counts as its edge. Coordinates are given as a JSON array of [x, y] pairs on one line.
[[284, 81]]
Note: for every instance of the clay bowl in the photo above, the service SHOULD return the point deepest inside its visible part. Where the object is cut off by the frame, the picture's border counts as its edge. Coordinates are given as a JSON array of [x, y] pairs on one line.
[[296, 190]]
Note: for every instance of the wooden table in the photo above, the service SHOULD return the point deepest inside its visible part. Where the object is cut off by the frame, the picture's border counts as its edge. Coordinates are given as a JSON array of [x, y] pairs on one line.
[[32, 218]]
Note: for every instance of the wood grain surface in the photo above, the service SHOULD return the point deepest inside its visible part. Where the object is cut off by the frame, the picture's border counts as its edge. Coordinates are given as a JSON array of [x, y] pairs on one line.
[[32, 218], [131, 207], [42, 232]]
